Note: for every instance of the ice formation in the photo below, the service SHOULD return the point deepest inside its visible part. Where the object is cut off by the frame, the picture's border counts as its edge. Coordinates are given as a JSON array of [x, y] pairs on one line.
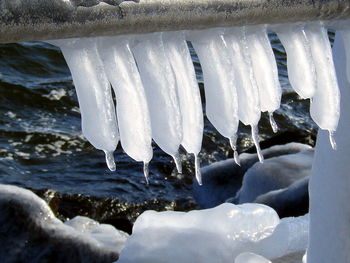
[[157, 95], [220, 234], [99, 123], [160, 85], [132, 109], [220, 86], [188, 93]]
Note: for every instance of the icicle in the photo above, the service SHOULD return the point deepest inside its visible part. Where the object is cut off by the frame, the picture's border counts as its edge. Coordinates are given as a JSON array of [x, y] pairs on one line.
[[301, 67], [255, 138], [332, 140], [197, 170], [265, 68], [178, 162], [99, 122], [325, 107], [132, 109], [346, 38], [160, 89], [110, 160], [233, 143], [219, 84], [247, 90], [146, 171], [273, 123], [188, 91]]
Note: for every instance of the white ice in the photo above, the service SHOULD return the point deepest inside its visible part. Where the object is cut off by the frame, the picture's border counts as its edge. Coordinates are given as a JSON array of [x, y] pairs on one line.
[[300, 64], [132, 109], [326, 100], [218, 235], [181, 63], [247, 89], [107, 236], [265, 68], [97, 109], [160, 87], [219, 82], [248, 257]]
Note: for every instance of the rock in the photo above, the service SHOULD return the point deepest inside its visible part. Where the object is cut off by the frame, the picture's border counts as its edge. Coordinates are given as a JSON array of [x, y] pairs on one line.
[[29, 232], [223, 179]]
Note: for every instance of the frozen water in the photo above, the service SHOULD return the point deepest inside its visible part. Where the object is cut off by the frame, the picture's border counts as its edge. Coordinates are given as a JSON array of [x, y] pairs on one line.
[[158, 96], [300, 64], [219, 81], [132, 109], [219, 234], [247, 89], [248, 257], [265, 68], [188, 93], [99, 122], [325, 102], [161, 93]]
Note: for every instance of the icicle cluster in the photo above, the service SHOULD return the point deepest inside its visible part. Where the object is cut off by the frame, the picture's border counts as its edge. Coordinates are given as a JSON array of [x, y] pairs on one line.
[[157, 95]]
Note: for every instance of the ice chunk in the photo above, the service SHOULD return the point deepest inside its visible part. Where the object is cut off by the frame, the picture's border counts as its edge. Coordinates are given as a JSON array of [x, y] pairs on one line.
[[160, 87], [301, 67], [99, 122], [325, 107], [248, 257], [213, 235], [106, 235], [219, 81], [132, 109], [265, 68], [180, 60]]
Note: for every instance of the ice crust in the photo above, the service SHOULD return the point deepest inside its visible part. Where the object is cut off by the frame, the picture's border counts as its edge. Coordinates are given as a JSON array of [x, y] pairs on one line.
[[158, 97], [219, 234]]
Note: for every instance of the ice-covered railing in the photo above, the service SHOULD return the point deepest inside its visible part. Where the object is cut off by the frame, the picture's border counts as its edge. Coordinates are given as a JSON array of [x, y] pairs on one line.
[[240, 35], [153, 78]]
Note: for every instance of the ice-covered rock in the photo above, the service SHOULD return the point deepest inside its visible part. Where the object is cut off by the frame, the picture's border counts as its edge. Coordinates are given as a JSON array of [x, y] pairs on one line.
[[31, 233], [276, 173], [219, 235], [222, 180]]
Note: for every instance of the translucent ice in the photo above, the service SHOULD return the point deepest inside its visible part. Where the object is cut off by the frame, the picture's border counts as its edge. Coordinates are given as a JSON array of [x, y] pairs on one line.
[[132, 109], [99, 122], [345, 33], [247, 89], [265, 68], [301, 67], [325, 103], [219, 81], [219, 234], [248, 257], [180, 60], [160, 87]]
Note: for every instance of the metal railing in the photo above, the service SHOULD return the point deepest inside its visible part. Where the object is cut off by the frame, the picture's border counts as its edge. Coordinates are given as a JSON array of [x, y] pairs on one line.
[[31, 20]]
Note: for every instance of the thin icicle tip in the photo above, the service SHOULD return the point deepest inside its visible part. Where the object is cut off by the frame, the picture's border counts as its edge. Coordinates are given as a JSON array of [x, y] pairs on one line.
[[110, 160], [197, 170]]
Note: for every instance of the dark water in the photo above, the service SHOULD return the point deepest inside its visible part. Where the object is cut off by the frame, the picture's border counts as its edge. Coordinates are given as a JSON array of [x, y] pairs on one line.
[[41, 146]]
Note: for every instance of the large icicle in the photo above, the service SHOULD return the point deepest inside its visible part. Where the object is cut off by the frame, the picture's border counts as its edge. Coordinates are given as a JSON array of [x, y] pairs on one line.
[[265, 70], [160, 88], [180, 60], [325, 107], [99, 122], [219, 83], [247, 90], [132, 110], [301, 68]]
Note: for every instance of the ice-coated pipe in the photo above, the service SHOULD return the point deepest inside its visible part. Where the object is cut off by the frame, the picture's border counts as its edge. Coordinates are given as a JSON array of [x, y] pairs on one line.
[[32, 20]]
